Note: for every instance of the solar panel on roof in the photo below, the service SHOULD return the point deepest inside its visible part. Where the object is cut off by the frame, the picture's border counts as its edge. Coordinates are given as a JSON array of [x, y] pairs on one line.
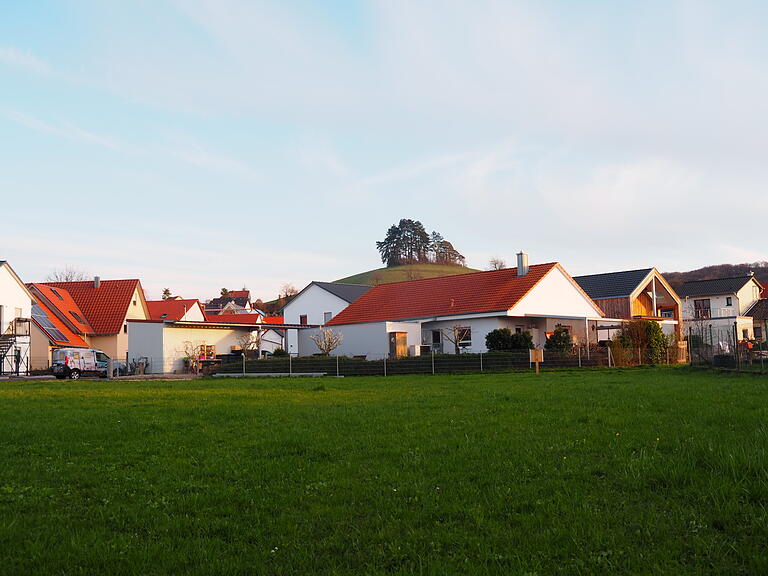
[[39, 315]]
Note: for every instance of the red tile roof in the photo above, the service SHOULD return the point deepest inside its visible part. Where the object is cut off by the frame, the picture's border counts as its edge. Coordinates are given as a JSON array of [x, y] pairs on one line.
[[173, 309], [233, 318], [61, 303], [274, 319], [478, 292], [239, 293], [72, 339], [105, 307]]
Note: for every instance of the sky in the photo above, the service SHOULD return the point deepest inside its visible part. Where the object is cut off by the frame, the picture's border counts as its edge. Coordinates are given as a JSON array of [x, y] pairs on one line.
[[201, 144]]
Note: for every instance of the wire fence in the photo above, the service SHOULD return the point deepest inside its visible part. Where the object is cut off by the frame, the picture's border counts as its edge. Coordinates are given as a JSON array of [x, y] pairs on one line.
[[722, 349], [578, 357]]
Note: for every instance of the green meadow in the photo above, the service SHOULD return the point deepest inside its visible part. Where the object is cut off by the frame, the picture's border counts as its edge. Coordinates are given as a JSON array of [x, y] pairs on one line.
[[634, 471]]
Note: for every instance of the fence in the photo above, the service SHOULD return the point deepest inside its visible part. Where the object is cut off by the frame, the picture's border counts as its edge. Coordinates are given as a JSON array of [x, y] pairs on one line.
[[720, 348], [579, 357]]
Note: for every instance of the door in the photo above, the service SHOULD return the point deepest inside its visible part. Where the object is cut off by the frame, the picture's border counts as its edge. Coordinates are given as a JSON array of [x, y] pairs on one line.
[[398, 344]]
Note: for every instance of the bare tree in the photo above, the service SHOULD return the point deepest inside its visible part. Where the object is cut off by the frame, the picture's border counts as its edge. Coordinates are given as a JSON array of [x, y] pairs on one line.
[[496, 264], [456, 335], [327, 340], [67, 274], [288, 290], [250, 341]]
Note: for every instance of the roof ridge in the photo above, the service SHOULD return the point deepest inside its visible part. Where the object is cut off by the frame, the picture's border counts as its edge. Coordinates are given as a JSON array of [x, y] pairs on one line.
[[746, 277], [466, 274], [616, 272]]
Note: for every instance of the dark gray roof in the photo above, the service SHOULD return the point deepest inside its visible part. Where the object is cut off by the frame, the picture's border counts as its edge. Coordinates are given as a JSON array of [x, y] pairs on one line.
[[759, 310], [713, 287], [348, 292], [612, 284]]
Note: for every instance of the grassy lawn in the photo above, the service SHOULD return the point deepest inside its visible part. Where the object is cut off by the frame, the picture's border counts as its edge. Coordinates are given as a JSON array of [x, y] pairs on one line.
[[653, 471]]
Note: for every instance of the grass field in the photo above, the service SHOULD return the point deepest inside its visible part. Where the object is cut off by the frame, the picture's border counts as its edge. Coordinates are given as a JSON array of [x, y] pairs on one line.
[[653, 471]]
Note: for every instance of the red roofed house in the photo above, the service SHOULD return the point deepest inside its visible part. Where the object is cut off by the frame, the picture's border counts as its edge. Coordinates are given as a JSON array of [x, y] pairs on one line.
[[179, 309], [396, 319], [103, 310]]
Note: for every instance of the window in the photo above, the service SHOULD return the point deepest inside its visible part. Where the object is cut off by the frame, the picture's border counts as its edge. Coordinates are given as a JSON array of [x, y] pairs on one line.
[[518, 329], [745, 333], [701, 309], [464, 334], [667, 312], [327, 317], [759, 332], [57, 294], [728, 301], [134, 302], [77, 317], [303, 319], [125, 328], [17, 312]]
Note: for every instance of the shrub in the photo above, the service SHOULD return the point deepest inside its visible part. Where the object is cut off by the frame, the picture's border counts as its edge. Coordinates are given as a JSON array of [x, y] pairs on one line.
[[279, 353], [560, 341], [504, 340]]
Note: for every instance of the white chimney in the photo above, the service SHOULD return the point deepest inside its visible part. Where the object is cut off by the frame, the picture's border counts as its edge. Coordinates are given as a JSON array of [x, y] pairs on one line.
[[96, 281], [522, 263]]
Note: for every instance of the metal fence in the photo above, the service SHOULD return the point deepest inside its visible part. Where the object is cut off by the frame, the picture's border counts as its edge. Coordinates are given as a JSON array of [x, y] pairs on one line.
[[578, 357], [722, 349]]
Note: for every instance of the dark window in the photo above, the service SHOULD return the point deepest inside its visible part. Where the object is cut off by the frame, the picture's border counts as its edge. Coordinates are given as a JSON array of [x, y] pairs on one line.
[[57, 294], [125, 328], [728, 301], [303, 319], [77, 317], [745, 333], [758, 331], [327, 317], [701, 308]]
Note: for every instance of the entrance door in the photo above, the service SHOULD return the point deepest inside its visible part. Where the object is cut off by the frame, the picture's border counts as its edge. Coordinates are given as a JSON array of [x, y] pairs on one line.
[[398, 344]]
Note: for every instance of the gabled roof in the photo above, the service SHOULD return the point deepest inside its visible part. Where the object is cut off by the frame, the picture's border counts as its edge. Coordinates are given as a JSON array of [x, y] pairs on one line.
[[612, 284], [104, 307], [759, 310], [170, 309], [240, 294], [714, 287], [4, 264], [478, 292], [348, 292], [219, 303], [233, 318], [60, 302], [58, 333]]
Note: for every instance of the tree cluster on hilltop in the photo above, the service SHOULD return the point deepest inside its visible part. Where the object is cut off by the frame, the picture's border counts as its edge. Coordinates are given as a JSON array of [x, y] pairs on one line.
[[677, 279], [407, 242]]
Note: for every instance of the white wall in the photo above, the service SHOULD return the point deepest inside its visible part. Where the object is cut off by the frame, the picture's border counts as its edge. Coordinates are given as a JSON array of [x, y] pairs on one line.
[[370, 340], [479, 326], [14, 299], [314, 302], [556, 295], [747, 296]]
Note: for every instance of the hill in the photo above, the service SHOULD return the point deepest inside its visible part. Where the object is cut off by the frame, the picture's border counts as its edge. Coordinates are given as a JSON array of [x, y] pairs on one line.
[[405, 272], [677, 279]]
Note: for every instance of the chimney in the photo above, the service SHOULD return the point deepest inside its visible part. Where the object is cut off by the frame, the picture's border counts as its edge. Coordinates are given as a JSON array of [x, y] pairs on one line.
[[522, 263], [96, 281]]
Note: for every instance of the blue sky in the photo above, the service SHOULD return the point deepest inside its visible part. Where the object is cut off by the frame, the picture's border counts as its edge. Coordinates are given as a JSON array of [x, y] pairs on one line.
[[199, 144]]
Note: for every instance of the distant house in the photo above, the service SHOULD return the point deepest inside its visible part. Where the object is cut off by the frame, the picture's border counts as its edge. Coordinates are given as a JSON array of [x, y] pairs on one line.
[[719, 306], [633, 294], [105, 306], [15, 322], [176, 309], [237, 302], [759, 314], [318, 303], [405, 318]]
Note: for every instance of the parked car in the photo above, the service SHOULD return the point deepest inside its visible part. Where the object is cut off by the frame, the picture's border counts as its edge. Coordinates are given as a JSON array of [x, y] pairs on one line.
[[76, 362]]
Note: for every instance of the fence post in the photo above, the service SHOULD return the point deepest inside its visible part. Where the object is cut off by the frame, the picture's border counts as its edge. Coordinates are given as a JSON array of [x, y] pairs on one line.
[[579, 349], [290, 365], [433, 362], [481, 361], [337, 366], [385, 366]]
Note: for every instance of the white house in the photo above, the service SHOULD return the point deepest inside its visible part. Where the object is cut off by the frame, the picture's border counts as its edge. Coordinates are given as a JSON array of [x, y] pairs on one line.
[[318, 303], [712, 308], [406, 318], [15, 326], [163, 344]]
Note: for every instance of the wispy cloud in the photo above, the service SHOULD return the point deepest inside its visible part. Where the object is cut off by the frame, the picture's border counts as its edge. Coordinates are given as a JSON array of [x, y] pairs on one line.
[[66, 130], [25, 60]]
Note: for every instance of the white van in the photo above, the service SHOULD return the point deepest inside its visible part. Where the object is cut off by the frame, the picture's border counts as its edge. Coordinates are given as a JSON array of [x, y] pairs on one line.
[[75, 362]]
